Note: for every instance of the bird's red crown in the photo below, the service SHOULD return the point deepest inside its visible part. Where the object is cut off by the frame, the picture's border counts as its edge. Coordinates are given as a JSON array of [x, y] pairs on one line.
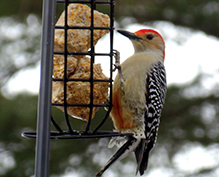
[[143, 31]]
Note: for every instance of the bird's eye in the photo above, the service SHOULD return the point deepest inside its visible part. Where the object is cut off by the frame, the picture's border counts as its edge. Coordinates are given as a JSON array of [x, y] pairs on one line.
[[150, 37]]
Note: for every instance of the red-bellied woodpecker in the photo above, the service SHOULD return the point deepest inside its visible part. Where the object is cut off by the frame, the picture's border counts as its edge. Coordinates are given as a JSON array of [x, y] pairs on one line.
[[139, 92]]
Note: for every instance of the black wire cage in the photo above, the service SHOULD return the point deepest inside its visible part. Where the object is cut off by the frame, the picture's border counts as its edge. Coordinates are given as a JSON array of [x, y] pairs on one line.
[[45, 118]]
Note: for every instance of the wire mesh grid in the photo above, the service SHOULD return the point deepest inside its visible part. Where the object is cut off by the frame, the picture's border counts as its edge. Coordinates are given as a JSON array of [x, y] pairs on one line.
[[70, 133]]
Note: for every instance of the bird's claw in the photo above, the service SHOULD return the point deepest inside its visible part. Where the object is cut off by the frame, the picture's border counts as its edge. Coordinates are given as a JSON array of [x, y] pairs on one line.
[[117, 64]]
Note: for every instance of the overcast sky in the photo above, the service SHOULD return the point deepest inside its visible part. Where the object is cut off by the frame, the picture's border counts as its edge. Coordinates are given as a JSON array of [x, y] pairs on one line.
[[187, 54]]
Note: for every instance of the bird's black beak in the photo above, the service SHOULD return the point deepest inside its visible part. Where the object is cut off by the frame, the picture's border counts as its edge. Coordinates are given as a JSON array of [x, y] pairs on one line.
[[129, 35]]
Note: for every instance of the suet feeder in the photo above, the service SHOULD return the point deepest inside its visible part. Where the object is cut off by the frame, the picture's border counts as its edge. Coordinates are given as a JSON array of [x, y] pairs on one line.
[[69, 73]]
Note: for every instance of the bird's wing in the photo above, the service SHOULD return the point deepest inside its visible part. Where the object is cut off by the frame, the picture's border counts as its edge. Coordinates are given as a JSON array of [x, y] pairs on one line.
[[155, 96]]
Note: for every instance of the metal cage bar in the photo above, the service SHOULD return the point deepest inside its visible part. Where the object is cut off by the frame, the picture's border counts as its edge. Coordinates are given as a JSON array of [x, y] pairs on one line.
[[44, 103], [65, 67]]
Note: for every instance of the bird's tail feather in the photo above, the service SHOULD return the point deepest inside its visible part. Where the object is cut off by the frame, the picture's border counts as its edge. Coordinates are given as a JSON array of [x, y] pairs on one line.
[[144, 163], [139, 154]]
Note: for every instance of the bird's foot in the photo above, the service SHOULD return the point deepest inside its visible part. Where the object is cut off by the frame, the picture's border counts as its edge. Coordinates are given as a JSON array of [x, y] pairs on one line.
[[117, 64]]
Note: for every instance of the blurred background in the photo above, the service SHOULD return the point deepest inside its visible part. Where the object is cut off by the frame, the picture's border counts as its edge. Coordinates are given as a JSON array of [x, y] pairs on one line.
[[188, 141]]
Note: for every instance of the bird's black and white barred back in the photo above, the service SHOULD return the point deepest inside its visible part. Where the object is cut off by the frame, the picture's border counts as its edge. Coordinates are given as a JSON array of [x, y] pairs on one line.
[[155, 96]]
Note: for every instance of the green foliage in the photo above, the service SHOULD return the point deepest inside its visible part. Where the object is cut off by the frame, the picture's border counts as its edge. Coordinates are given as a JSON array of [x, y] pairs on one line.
[[18, 115], [195, 14], [184, 118], [20, 8]]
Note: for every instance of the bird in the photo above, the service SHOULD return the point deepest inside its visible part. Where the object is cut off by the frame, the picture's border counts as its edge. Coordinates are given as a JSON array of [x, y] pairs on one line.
[[138, 97]]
